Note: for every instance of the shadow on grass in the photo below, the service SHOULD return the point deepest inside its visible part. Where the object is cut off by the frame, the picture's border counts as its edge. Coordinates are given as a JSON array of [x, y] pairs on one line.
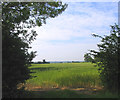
[[67, 94]]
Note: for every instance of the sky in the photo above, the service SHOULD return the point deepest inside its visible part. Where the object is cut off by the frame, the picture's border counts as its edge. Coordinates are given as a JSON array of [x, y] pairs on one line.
[[68, 36]]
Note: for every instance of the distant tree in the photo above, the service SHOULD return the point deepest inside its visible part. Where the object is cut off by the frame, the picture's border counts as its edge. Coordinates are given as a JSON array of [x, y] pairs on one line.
[[108, 57], [17, 18], [44, 61], [88, 58]]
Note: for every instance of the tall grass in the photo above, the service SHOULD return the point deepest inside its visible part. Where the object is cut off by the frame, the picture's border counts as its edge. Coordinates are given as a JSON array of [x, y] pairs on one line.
[[71, 75]]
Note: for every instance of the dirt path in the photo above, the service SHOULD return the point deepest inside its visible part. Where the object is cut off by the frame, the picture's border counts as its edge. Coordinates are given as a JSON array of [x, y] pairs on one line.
[[91, 90]]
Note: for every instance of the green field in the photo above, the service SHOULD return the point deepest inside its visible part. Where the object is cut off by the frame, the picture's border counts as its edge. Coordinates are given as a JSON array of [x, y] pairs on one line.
[[65, 80], [61, 75]]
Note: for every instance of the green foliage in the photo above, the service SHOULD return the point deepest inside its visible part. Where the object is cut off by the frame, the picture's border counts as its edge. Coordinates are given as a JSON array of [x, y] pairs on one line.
[[108, 58], [88, 58], [17, 18]]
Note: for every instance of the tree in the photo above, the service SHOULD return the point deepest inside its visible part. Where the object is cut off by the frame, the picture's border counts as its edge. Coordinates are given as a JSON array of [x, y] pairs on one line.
[[87, 57], [44, 61], [108, 58], [17, 18]]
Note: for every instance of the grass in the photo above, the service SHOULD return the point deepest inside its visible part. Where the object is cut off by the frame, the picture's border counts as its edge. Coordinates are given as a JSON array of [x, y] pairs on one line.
[[64, 80], [71, 75]]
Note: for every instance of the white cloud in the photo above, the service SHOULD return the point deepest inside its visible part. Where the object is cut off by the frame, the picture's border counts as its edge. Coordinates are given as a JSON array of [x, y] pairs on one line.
[[68, 25], [79, 20]]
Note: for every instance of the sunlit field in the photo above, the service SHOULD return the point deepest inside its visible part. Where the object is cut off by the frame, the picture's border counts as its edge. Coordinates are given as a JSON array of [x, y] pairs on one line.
[[63, 75]]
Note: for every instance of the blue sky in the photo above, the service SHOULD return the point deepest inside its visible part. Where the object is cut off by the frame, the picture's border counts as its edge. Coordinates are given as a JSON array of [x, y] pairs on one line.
[[68, 36]]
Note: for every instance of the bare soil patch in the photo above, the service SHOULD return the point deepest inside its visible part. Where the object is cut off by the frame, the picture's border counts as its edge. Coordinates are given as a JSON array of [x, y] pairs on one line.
[[87, 90]]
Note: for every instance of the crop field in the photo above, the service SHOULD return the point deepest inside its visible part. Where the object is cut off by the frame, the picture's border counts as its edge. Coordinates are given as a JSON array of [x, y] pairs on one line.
[[63, 75]]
